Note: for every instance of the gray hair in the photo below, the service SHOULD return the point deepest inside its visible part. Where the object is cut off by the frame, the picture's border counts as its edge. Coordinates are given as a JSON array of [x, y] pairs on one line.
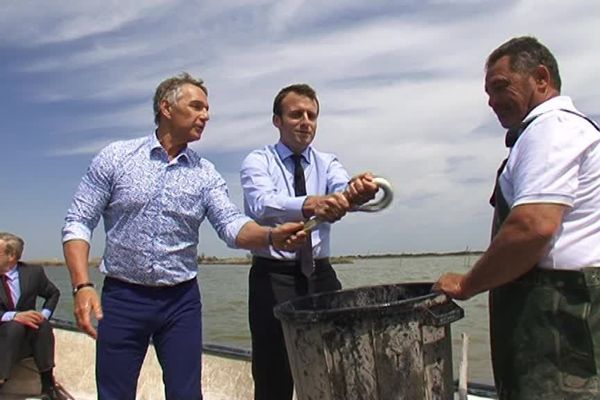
[[170, 90], [14, 244], [526, 53]]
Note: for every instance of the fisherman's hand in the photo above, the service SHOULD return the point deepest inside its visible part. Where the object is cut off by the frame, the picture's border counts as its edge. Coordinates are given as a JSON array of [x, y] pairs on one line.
[[331, 207], [86, 303], [30, 318], [453, 285], [288, 236], [361, 189]]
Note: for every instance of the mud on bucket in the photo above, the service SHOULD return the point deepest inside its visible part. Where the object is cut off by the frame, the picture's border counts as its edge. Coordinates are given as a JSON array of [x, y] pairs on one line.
[[371, 343]]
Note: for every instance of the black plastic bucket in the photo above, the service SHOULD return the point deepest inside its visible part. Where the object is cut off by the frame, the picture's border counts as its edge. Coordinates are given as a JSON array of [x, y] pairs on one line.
[[383, 342]]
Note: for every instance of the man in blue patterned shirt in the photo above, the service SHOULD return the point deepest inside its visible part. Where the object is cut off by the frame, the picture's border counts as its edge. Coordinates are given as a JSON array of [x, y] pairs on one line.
[[153, 193]]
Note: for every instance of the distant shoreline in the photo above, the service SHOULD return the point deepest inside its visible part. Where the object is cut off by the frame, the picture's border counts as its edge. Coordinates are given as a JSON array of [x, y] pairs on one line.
[[212, 260]]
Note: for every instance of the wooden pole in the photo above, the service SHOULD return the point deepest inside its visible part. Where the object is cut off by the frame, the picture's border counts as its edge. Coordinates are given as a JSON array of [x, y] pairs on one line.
[[462, 377]]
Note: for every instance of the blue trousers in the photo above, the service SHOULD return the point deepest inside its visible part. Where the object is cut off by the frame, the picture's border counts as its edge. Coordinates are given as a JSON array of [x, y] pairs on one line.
[[134, 314]]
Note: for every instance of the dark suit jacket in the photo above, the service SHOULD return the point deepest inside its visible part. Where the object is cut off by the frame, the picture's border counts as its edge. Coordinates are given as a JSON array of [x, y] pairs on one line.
[[33, 283]]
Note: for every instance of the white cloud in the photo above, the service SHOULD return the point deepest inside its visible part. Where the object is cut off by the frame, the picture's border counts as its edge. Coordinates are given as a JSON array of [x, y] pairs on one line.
[[401, 87], [87, 148], [95, 56], [32, 22]]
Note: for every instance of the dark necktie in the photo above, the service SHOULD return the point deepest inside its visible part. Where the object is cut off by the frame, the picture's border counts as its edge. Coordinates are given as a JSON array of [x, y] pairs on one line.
[[305, 252], [11, 305]]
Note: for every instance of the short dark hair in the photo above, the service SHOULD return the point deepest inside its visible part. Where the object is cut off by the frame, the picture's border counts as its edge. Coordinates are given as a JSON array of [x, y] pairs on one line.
[[299, 88], [526, 54], [170, 89]]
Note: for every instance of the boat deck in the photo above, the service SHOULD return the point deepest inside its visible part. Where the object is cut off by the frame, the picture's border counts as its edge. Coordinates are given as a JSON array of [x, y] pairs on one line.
[[75, 360], [226, 373]]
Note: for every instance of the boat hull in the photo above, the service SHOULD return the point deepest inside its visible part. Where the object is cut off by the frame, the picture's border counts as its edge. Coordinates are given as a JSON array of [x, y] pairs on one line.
[[226, 372]]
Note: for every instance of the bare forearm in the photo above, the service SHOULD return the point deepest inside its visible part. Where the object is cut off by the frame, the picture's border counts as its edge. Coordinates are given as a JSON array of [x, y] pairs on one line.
[[521, 242], [286, 237], [516, 249], [505, 260], [252, 236], [76, 254]]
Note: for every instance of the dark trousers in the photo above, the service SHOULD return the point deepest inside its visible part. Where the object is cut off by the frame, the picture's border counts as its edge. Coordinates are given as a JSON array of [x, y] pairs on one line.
[[134, 314], [273, 282], [18, 341], [545, 336]]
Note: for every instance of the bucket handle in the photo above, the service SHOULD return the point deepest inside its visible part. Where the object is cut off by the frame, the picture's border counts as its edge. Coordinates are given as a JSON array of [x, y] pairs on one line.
[[443, 314]]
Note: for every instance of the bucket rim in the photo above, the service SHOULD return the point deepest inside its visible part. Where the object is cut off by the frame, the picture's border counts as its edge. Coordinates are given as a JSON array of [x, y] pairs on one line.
[[285, 311]]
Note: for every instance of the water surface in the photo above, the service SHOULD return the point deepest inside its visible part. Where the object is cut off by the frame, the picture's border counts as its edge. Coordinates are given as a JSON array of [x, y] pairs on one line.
[[225, 292]]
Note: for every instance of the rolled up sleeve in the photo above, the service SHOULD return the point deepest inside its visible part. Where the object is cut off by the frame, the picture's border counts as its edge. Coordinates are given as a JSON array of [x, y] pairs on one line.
[[225, 217], [89, 200]]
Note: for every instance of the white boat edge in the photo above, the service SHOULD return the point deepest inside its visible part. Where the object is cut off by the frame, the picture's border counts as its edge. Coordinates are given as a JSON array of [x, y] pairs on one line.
[[226, 372]]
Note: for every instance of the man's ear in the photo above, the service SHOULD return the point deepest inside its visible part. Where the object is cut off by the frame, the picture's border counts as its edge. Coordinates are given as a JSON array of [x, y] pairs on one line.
[[542, 76], [13, 257], [165, 109], [277, 121]]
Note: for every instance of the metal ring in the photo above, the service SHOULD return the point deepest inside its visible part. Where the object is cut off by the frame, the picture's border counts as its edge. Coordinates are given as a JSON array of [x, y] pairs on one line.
[[371, 206], [383, 202]]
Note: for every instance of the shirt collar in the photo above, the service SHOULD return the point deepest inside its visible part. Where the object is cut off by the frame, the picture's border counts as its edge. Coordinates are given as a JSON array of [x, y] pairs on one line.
[[155, 146], [153, 141], [185, 154], [285, 152], [558, 102], [555, 103], [12, 273]]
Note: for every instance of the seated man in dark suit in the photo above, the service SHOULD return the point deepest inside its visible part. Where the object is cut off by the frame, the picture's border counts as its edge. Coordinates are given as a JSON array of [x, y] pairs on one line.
[[23, 330]]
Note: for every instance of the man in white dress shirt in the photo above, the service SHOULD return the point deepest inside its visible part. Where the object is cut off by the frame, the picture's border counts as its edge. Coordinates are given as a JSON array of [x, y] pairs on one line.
[[292, 181]]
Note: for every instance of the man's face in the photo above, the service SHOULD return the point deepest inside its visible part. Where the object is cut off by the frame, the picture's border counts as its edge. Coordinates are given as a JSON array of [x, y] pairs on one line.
[[6, 260], [188, 116], [511, 94], [298, 121]]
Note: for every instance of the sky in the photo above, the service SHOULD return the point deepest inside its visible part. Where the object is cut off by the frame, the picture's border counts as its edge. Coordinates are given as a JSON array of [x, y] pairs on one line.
[[400, 85]]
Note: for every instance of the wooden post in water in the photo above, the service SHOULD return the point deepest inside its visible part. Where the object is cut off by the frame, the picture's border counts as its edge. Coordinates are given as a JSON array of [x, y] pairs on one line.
[[462, 375]]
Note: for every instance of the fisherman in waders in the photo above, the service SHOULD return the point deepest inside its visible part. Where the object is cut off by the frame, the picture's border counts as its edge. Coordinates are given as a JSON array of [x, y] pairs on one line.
[[542, 267]]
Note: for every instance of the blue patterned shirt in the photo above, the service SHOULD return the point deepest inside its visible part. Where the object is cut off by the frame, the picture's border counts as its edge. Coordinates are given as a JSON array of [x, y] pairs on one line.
[[152, 210], [267, 177]]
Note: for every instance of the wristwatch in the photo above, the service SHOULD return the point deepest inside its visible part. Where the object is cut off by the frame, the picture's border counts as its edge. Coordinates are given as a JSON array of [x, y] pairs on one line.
[[81, 286]]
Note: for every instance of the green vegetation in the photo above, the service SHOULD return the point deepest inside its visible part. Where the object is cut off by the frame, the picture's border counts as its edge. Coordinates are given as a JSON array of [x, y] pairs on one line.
[[211, 260], [430, 254], [247, 260], [56, 262]]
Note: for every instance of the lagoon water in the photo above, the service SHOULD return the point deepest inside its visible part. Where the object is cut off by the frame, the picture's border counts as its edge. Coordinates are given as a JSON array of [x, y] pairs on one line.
[[225, 291]]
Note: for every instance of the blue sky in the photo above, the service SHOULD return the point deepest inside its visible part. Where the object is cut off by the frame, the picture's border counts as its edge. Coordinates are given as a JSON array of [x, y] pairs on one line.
[[400, 85]]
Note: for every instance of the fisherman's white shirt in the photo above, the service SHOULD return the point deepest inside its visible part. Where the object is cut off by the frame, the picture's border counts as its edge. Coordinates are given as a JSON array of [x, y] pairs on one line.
[[556, 160]]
